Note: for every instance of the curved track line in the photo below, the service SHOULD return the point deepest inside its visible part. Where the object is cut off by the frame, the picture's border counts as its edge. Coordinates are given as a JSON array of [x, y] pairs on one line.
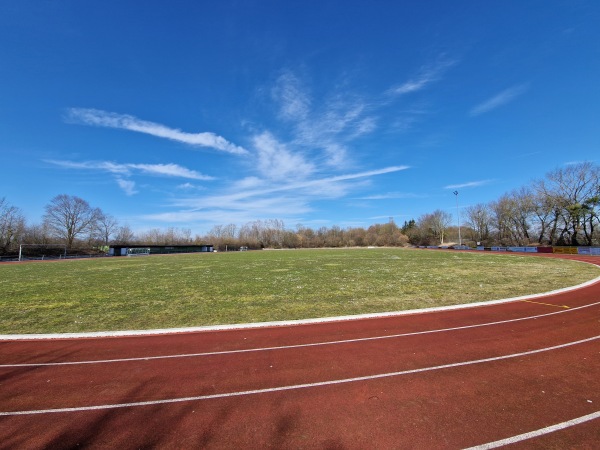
[[286, 347], [536, 433], [295, 386]]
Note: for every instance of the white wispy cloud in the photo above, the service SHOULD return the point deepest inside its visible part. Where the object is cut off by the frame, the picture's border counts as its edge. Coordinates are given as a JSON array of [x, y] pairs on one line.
[[170, 170], [321, 186], [249, 183], [288, 209], [321, 129], [426, 75], [277, 162], [287, 176], [106, 166], [413, 85], [99, 118], [501, 99], [128, 186], [292, 97], [251, 199], [469, 184]]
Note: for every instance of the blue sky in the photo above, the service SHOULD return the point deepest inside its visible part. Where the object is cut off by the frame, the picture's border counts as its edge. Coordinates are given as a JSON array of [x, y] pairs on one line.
[[194, 113]]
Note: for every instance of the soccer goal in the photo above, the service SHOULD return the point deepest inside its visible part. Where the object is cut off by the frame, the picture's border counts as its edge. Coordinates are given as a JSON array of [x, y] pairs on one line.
[[42, 251], [138, 251]]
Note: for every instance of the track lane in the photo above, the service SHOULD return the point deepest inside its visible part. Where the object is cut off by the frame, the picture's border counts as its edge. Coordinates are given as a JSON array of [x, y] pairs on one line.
[[26, 387], [308, 385], [450, 408]]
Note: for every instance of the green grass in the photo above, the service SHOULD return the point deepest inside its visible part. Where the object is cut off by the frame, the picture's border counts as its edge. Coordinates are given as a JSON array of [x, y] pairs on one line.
[[219, 288]]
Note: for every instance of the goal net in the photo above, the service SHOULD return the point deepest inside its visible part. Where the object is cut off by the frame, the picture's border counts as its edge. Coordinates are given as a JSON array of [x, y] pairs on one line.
[[42, 251]]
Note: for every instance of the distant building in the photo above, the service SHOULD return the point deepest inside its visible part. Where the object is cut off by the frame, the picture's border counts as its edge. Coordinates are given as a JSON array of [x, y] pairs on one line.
[[124, 250]]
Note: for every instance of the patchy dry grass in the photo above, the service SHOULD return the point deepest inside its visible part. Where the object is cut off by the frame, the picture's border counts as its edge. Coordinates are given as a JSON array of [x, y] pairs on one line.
[[208, 289]]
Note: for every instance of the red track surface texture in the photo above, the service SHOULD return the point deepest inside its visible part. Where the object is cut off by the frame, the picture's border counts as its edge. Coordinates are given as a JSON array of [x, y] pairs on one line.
[[524, 374]]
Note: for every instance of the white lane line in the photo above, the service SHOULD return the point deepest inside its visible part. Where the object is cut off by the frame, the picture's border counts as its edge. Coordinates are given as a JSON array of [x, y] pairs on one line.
[[537, 433], [293, 387], [285, 347]]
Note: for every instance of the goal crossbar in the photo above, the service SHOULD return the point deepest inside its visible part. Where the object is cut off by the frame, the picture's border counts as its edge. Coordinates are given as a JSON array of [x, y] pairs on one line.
[[40, 245]]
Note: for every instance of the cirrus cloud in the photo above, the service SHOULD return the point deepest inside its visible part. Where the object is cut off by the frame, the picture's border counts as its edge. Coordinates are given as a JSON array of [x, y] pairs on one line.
[[503, 98], [469, 184], [427, 75], [99, 118], [170, 170]]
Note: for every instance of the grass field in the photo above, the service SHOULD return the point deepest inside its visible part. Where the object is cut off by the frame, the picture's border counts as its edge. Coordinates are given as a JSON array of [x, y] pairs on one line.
[[219, 288]]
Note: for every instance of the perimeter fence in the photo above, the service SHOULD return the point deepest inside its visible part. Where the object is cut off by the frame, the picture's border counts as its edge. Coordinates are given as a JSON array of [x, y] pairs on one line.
[[593, 251]]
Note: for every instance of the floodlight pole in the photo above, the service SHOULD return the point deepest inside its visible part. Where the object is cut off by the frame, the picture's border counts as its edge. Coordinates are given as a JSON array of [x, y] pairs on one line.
[[458, 219]]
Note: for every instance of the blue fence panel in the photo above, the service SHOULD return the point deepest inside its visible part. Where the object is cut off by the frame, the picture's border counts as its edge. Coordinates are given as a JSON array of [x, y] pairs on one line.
[[594, 251]]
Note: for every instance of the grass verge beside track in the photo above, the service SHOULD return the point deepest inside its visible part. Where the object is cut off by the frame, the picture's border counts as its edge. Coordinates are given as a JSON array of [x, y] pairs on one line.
[[226, 288]]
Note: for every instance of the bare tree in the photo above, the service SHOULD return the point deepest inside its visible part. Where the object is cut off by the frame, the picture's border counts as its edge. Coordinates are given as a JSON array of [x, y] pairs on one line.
[[68, 217], [229, 231], [177, 236], [572, 193], [305, 236], [124, 235], [37, 234], [479, 220], [267, 233], [12, 225], [335, 237], [546, 216], [152, 236], [106, 226], [512, 217], [434, 225], [170, 236], [356, 237]]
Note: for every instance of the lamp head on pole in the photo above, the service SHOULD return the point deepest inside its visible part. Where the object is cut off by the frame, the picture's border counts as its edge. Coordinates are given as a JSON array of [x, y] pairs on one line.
[[455, 192]]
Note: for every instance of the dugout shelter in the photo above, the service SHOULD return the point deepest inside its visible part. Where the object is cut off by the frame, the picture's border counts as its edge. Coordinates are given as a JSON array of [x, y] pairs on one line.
[[124, 250]]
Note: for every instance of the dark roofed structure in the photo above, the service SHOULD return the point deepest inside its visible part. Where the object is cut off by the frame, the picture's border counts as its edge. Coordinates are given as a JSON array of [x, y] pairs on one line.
[[124, 250]]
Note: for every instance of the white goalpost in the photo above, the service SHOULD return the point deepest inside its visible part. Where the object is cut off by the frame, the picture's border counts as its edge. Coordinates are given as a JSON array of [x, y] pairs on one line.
[[63, 246]]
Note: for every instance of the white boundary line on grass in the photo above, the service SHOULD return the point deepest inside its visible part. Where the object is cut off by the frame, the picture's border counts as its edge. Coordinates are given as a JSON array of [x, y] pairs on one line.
[[16, 337], [293, 386]]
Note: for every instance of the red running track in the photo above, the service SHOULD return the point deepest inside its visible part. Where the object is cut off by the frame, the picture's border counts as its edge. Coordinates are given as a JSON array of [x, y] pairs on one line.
[[525, 373]]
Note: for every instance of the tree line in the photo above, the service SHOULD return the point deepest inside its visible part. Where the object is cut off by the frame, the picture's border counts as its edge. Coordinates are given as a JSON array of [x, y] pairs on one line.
[[560, 209]]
